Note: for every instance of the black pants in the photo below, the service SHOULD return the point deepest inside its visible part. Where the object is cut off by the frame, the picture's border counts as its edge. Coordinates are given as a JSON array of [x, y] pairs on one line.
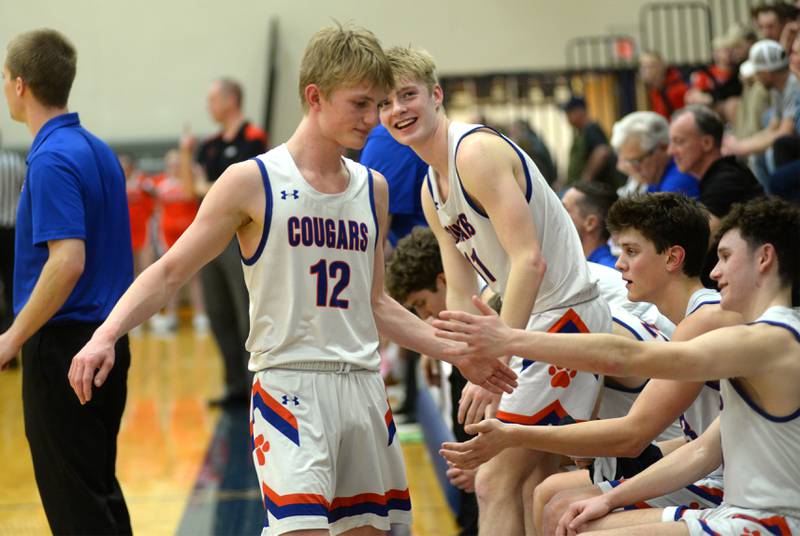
[[227, 304], [6, 277], [74, 447], [467, 519]]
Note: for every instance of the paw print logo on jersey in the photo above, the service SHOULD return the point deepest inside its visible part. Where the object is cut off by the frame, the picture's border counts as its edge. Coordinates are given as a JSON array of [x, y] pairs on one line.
[[261, 448], [561, 377]]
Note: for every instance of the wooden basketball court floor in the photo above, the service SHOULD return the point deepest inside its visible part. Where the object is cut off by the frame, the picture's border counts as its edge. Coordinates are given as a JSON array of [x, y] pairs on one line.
[[184, 468]]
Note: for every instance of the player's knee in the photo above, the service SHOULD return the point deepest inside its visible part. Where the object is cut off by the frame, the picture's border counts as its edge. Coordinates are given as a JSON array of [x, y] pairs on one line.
[[546, 490], [491, 485], [555, 506]]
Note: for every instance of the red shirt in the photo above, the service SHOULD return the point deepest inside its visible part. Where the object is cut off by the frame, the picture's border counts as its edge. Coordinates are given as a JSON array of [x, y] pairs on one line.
[[669, 97]]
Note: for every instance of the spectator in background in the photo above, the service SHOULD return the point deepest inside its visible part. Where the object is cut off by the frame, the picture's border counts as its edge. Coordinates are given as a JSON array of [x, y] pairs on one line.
[[12, 175], [224, 290], [771, 65], [590, 157], [771, 19], [641, 140], [696, 145], [666, 88], [176, 208], [530, 142], [405, 173], [712, 85], [587, 204], [139, 188]]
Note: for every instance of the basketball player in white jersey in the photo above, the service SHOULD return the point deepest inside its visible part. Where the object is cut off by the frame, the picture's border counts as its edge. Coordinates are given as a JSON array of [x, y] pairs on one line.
[[758, 431], [493, 213], [664, 239], [309, 226]]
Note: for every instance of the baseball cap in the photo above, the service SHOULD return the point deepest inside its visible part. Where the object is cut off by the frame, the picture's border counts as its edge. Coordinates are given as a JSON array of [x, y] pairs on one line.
[[768, 55]]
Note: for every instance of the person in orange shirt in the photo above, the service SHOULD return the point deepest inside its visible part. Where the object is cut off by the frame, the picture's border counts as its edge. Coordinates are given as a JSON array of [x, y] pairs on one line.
[[139, 188], [177, 208]]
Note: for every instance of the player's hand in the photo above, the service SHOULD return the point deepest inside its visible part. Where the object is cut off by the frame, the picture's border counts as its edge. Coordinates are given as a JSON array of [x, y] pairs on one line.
[[582, 512], [485, 336], [493, 437], [9, 349], [96, 356], [461, 478], [475, 402]]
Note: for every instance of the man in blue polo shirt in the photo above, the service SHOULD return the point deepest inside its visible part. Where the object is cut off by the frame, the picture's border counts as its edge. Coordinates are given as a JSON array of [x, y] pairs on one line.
[[73, 261]]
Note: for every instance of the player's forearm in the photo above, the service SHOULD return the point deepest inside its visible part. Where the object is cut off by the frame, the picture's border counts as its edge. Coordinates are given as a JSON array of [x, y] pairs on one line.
[[590, 439], [55, 284], [686, 465], [524, 280], [599, 353], [402, 327], [148, 294]]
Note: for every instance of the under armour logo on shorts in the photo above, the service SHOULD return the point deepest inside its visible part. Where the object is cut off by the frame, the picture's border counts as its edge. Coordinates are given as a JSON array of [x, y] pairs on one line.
[[294, 399], [294, 194]]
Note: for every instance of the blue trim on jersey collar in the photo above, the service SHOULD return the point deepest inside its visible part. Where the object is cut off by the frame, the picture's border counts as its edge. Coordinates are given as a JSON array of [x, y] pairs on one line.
[[699, 305], [779, 325], [755, 407], [372, 206], [267, 215], [528, 182], [626, 326]]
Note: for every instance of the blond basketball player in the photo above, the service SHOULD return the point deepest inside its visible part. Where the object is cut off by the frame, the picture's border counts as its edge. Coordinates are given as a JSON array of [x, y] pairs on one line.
[[309, 225]]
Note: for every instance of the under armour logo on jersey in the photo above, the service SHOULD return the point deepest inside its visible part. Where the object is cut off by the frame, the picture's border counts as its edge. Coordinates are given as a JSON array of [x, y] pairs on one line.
[[294, 399], [294, 194]]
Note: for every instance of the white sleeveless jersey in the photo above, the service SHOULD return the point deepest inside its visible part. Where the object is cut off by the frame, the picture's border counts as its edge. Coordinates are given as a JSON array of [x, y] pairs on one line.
[[618, 399], [310, 280], [566, 281], [612, 289], [760, 449], [707, 405]]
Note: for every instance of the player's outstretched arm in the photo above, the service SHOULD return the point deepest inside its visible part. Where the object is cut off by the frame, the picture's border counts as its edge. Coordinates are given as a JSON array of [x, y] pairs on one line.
[[401, 326], [680, 468], [695, 360], [226, 209]]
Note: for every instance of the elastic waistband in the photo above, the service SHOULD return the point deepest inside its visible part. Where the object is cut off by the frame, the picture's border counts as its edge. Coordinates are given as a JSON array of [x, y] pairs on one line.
[[338, 367]]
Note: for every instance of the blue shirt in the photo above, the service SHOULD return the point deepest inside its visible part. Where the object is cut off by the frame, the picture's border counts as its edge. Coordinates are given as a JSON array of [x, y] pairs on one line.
[[673, 180], [404, 171], [74, 188], [603, 255]]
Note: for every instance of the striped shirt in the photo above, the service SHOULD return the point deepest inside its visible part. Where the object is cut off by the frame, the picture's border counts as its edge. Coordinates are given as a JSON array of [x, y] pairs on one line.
[[12, 175]]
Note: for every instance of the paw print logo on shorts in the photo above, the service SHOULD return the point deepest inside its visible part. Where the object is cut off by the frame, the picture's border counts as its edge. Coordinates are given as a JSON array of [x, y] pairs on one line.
[[561, 377], [749, 532], [262, 447]]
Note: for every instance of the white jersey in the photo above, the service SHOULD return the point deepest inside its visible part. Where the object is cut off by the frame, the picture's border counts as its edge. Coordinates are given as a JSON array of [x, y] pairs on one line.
[[310, 280], [612, 289], [760, 449], [708, 403], [566, 281], [618, 399]]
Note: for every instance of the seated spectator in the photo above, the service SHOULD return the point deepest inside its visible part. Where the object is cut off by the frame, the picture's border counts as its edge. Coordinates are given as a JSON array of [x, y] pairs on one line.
[[771, 20], [587, 204], [665, 86], [590, 157], [706, 82], [785, 180], [695, 142], [530, 142], [771, 65], [641, 140]]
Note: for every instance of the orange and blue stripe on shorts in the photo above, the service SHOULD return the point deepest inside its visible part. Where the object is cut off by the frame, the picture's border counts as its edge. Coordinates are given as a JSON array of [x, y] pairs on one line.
[[569, 323], [390, 424], [275, 414], [775, 525], [307, 504], [551, 414]]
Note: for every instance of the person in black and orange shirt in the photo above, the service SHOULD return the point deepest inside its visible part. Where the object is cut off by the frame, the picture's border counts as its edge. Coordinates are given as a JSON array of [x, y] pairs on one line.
[[666, 88], [224, 290]]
